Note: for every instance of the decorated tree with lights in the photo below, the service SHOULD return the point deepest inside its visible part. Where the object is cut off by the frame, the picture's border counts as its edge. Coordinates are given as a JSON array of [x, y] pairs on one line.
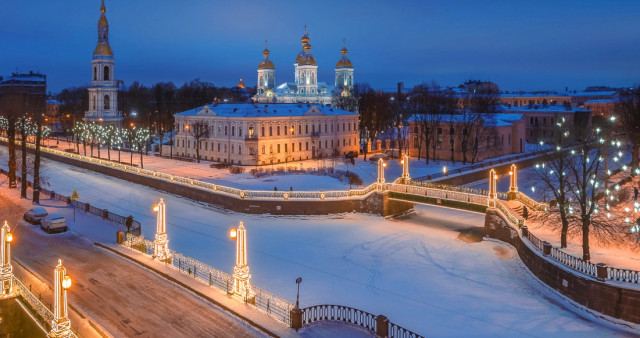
[[78, 136], [26, 128], [109, 135], [141, 139], [199, 130], [552, 172], [118, 140]]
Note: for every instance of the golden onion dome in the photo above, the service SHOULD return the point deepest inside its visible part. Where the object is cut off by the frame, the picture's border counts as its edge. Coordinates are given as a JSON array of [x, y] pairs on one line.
[[306, 47], [344, 51], [344, 63], [103, 49], [102, 21], [266, 64], [241, 84], [266, 52]]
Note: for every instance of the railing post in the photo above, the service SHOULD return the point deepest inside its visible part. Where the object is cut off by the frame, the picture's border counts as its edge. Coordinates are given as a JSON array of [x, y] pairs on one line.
[[296, 318], [601, 269], [513, 183], [161, 242], [525, 231], [405, 168], [6, 270], [381, 166], [241, 276], [493, 178], [382, 326], [60, 326], [546, 248]]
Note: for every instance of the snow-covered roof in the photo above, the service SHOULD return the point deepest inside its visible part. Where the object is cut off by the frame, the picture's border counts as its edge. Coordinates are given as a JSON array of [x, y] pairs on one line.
[[602, 93], [506, 95], [497, 119], [550, 108], [600, 101], [263, 110]]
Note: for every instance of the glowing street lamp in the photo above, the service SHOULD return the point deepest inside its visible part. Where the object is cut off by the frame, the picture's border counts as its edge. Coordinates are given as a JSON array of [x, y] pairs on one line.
[[513, 183], [405, 167], [493, 195], [444, 171], [381, 166], [161, 243], [60, 325], [6, 270], [241, 276]]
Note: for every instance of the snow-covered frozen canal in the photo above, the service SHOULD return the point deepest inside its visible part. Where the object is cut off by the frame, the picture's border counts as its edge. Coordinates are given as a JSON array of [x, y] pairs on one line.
[[429, 272]]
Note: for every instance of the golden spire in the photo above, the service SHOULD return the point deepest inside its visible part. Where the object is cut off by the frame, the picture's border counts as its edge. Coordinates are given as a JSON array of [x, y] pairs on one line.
[[102, 8]]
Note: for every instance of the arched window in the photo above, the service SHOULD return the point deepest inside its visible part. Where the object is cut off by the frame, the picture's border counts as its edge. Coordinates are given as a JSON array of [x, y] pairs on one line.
[[107, 103], [106, 73], [93, 101], [261, 80], [95, 74]]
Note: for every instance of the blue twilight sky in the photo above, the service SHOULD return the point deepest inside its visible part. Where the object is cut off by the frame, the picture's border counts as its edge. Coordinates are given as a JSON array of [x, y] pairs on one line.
[[519, 44]]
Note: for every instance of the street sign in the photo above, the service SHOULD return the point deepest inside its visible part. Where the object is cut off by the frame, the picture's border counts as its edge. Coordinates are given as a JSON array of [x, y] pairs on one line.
[[74, 195]]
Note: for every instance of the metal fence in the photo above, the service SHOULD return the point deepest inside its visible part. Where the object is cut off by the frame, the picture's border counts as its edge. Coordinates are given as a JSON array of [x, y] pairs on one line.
[[271, 304], [353, 316], [43, 315]]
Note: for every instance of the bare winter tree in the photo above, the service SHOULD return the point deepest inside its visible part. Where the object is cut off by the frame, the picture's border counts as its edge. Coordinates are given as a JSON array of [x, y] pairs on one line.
[[628, 108], [199, 130], [552, 173]]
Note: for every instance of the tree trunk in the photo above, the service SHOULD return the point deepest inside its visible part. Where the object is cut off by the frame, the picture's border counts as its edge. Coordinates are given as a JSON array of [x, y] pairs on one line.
[[197, 151], [564, 229], [131, 153], [141, 164], [11, 134], [586, 255], [109, 152], [36, 162], [23, 147]]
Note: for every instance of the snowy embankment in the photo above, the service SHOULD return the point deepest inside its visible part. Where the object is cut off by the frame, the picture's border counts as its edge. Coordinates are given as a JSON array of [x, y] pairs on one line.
[[424, 271]]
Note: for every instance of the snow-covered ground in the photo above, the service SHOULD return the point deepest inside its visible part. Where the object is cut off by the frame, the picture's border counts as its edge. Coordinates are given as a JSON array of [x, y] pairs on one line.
[[425, 272]]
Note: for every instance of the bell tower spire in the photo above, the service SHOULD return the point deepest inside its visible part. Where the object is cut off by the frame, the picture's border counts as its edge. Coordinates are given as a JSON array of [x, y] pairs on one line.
[[103, 92]]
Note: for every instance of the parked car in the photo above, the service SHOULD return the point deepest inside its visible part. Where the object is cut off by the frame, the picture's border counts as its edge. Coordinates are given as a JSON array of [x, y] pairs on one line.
[[376, 157], [54, 223], [35, 215]]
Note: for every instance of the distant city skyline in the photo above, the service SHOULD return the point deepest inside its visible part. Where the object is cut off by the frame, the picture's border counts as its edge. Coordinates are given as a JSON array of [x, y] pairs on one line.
[[520, 46]]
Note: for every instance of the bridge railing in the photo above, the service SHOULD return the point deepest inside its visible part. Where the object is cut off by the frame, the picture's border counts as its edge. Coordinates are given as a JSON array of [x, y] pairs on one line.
[[356, 317], [44, 316], [238, 193], [426, 191], [275, 306]]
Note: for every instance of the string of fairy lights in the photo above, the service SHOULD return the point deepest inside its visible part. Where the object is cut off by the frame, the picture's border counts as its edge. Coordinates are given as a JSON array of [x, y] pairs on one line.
[[600, 147]]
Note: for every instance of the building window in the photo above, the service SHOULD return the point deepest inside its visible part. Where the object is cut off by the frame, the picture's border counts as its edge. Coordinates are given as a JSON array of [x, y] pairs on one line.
[[263, 149], [300, 146], [262, 131], [293, 147], [531, 120], [306, 129], [218, 147], [510, 138], [233, 149], [226, 128], [439, 144], [271, 149], [270, 131], [299, 129], [306, 145], [107, 102], [240, 131], [285, 148], [250, 132], [439, 131], [278, 130], [106, 73], [285, 131], [325, 128], [95, 74], [278, 148], [239, 150], [233, 130]]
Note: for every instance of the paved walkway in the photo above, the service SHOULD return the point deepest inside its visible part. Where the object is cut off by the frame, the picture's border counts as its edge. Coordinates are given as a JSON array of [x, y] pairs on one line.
[[120, 296]]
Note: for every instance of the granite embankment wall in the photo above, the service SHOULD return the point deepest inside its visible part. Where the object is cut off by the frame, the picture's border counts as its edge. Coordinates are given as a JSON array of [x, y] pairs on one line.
[[375, 203], [604, 297]]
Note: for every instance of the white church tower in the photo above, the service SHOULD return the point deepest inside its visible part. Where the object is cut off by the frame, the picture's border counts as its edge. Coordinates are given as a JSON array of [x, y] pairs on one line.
[[344, 71], [306, 70], [103, 93], [266, 74]]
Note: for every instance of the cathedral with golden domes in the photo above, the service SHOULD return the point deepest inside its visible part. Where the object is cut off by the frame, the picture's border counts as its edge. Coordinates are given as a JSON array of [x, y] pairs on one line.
[[103, 92], [305, 88]]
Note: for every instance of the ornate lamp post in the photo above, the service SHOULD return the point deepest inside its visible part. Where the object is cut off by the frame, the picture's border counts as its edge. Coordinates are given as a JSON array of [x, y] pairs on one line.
[[241, 276], [405, 168], [381, 166], [513, 183], [493, 195], [60, 326], [161, 243], [6, 270]]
